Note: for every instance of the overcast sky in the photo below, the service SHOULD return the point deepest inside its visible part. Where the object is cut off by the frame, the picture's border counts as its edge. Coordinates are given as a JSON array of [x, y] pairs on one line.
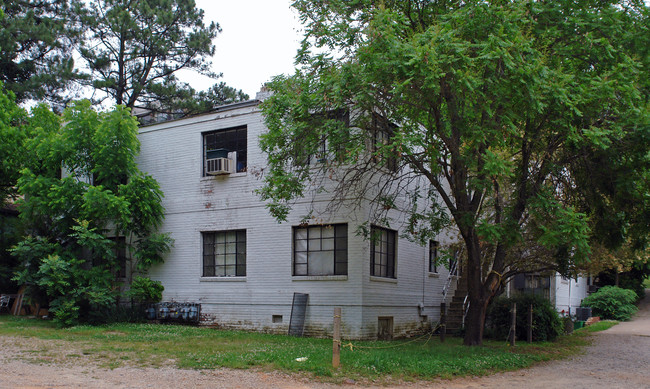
[[259, 40]]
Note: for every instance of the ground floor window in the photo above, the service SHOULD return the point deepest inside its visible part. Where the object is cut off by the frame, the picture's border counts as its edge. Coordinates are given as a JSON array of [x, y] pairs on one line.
[[320, 250], [382, 252], [224, 253]]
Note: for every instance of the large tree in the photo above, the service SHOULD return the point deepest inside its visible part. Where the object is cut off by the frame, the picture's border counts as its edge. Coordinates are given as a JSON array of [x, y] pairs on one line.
[[507, 118], [37, 38], [135, 49], [85, 203]]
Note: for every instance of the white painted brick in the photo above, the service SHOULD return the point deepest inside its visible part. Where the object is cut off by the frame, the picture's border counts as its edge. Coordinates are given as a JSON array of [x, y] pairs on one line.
[[172, 153]]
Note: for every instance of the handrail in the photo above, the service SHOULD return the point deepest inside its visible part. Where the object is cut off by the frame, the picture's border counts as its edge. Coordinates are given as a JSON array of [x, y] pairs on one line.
[[445, 289], [465, 309]]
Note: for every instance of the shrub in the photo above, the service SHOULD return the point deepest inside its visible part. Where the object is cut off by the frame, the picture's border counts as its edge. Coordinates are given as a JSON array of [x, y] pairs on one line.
[[145, 290], [612, 302], [546, 321]]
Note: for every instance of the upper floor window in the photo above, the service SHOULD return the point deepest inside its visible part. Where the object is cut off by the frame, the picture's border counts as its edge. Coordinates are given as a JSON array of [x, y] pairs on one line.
[[330, 147], [224, 253], [320, 250], [226, 143], [382, 135], [433, 256], [382, 252]]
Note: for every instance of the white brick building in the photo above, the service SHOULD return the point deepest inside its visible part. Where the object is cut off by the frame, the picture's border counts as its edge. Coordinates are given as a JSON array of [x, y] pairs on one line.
[[244, 267]]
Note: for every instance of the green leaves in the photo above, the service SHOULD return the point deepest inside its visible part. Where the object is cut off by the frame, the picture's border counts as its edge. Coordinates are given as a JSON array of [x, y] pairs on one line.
[[520, 115], [86, 202], [156, 38]]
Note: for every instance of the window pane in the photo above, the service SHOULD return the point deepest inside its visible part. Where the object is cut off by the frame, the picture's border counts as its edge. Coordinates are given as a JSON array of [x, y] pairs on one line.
[[220, 249], [300, 269], [341, 243], [231, 248], [328, 232], [231, 259], [321, 263], [314, 244], [328, 244], [301, 245], [301, 233], [300, 258], [314, 232], [220, 260]]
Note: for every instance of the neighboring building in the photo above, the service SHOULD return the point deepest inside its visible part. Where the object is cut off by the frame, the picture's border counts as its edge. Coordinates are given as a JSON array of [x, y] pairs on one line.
[[244, 267], [566, 294]]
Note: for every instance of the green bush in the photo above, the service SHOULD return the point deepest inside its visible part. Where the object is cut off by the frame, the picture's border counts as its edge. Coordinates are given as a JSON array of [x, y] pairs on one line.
[[546, 321], [612, 302], [145, 290]]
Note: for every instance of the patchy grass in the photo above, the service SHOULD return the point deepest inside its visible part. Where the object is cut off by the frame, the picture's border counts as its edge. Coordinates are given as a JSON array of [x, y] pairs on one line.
[[599, 326], [646, 283], [117, 345]]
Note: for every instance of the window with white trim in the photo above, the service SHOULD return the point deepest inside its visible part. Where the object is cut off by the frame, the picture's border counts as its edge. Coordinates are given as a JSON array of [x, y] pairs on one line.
[[224, 253], [320, 250]]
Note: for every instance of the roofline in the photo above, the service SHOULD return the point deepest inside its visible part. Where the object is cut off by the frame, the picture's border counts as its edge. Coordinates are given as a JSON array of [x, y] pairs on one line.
[[221, 108]]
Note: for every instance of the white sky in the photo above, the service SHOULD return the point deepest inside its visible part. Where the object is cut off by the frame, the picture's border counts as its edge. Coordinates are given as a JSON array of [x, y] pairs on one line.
[[259, 40]]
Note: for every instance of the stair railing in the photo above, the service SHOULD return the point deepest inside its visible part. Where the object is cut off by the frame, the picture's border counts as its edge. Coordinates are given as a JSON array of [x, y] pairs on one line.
[[465, 309], [445, 289]]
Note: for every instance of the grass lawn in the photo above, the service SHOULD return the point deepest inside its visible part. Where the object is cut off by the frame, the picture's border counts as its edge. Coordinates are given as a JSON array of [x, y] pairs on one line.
[[204, 348]]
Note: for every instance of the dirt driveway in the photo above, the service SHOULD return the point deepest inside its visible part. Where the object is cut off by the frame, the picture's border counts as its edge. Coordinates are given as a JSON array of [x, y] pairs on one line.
[[619, 358]]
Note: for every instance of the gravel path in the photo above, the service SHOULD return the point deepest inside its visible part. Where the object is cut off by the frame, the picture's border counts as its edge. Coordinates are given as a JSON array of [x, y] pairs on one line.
[[618, 358]]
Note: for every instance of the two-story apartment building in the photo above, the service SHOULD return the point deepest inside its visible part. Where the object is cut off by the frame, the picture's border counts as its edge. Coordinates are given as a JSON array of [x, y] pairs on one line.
[[244, 267]]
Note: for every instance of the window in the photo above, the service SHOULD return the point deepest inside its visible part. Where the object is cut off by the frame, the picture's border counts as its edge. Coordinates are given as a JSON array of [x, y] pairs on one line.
[[224, 253], [382, 134], [325, 151], [433, 256], [218, 144], [320, 250], [532, 284], [382, 252]]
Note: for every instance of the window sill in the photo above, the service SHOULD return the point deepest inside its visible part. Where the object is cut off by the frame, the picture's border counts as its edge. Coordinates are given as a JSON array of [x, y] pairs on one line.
[[384, 279], [319, 278], [231, 175], [434, 275], [222, 279]]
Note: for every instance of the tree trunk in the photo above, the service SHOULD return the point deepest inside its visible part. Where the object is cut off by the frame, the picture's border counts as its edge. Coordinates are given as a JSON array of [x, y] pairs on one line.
[[475, 322], [477, 295]]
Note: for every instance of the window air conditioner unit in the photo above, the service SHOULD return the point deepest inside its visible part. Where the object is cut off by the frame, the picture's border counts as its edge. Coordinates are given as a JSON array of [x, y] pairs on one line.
[[217, 166]]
